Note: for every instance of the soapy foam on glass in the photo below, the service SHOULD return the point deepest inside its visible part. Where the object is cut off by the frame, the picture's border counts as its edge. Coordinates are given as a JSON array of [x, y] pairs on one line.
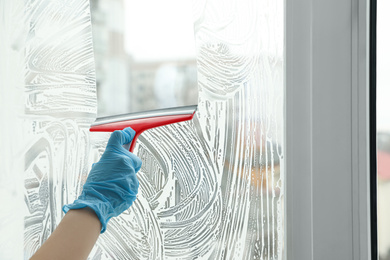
[[210, 188]]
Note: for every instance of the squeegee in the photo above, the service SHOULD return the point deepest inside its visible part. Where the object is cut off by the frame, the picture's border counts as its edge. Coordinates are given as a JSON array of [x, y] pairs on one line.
[[142, 121]]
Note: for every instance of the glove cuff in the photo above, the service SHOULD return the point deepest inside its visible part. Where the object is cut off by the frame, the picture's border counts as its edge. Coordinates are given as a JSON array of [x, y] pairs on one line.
[[102, 210]]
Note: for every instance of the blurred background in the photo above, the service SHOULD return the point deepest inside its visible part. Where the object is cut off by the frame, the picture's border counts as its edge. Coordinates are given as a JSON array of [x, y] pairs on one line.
[[383, 128], [144, 54]]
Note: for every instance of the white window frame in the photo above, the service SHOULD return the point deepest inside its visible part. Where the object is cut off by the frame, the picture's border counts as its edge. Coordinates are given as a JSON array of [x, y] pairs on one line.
[[327, 130]]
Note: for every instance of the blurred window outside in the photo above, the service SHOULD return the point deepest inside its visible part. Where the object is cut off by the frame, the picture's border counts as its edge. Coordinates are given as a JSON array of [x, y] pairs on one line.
[[144, 55], [383, 128]]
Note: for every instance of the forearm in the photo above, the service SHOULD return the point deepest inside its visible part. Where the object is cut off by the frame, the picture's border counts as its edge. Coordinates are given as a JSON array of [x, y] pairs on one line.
[[74, 237]]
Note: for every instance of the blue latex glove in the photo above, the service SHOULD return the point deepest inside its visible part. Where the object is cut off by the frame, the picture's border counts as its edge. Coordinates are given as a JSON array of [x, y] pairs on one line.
[[112, 184]]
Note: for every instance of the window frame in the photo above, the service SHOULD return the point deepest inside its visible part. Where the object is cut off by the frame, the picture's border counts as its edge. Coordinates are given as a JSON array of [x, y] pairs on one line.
[[327, 113]]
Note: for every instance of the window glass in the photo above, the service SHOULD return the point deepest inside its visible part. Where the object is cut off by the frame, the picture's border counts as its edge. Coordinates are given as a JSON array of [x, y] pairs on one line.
[[210, 188], [213, 188], [144, 55], [383, 128]]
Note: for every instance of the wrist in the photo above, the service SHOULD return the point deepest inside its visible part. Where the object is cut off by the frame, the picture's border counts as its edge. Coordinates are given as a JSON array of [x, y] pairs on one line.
[[100, 210]]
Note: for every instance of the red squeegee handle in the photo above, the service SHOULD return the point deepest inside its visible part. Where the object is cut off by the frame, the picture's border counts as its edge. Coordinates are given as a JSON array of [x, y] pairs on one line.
[[141, 124]]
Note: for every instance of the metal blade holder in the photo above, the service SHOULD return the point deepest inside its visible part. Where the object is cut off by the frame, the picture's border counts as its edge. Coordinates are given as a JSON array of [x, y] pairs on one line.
[[140, 122]]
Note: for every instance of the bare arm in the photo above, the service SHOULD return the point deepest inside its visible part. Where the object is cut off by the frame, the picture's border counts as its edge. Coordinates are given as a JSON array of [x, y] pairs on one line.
[[74, 237]]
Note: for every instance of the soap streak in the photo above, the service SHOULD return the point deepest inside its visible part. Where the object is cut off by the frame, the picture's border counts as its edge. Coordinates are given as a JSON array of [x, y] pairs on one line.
[[60, 103]]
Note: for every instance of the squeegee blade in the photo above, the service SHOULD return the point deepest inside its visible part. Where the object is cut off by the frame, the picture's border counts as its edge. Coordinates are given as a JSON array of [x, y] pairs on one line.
[[185, 110]]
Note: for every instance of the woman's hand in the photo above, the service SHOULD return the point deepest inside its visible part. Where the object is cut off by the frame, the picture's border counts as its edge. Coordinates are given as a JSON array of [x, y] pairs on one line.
[[110, 189], [112, 184]]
